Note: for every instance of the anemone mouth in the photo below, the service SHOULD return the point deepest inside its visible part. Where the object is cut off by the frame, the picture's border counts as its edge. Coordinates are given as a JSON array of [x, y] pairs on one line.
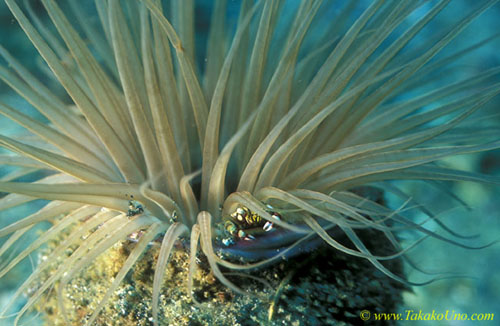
[[285, 137], [270, 247]]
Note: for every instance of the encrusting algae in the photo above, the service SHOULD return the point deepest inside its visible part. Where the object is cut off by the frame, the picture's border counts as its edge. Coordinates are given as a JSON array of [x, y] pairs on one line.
[[323, 288]]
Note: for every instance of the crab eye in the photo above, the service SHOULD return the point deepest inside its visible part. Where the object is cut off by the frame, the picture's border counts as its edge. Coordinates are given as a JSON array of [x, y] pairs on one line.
[[268, 226], [230, 227]]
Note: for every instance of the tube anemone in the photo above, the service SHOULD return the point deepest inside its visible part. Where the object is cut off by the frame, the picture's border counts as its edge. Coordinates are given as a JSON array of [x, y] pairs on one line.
[[270, 143]]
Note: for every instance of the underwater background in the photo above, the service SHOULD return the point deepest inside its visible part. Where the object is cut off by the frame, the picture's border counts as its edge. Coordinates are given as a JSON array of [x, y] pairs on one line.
[[477, 292]]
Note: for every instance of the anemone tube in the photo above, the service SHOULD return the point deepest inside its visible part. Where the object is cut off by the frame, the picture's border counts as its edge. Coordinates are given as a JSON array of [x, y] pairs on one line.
[[291, 118]]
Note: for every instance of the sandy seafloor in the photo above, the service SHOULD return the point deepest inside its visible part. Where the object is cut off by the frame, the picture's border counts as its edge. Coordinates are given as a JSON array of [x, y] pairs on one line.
[[478, 292]]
